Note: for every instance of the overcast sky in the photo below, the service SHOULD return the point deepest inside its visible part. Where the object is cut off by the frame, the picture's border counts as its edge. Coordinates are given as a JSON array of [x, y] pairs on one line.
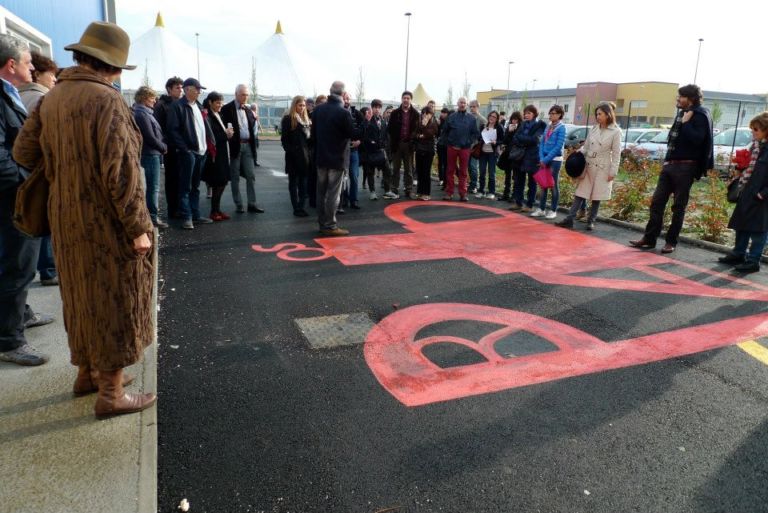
[[551, 43]]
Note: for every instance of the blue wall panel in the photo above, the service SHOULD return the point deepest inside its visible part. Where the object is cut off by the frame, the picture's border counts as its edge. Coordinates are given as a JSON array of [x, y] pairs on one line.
[[61, 20]]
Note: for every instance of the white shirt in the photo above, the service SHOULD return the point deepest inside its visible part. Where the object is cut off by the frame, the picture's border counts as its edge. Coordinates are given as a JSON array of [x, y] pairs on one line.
[[199, 129], [242, 120]]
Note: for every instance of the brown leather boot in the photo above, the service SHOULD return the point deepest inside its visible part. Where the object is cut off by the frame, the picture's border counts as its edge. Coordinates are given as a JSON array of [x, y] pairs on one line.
[[87, 381], [113, 400]]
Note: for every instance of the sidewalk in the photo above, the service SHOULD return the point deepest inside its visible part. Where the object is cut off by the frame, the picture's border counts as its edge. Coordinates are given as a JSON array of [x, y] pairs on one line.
[[54, 455]]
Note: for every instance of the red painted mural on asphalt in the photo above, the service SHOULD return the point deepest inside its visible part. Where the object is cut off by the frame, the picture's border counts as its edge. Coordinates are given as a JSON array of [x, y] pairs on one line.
[[504, 244]]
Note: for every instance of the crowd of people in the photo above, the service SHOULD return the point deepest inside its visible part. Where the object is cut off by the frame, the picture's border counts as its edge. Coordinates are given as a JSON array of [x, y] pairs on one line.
[[102, 162]]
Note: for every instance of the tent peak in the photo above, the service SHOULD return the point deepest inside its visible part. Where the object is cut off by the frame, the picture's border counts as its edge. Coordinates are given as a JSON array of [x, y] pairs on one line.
[[159, 20], [278, 28]]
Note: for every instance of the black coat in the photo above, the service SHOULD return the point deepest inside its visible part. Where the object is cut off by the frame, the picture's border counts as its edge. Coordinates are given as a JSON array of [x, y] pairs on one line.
[[331, 131], [751, 212], [216, 170], [181, 132], [296, 146], [528, 136], [12, 118], [374, 142], [162, 108], [229, 115], [396, 120]]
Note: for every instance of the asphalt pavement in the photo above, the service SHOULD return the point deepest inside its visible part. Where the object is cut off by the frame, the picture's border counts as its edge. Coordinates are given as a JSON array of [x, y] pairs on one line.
[[452, 359]]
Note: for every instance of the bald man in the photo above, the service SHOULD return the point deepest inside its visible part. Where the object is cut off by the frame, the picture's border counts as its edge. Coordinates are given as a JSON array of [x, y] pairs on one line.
[[242, 149]]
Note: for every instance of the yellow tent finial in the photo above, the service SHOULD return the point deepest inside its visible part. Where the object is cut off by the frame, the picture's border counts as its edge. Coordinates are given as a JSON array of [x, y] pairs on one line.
[[159, 21], [279, 28]]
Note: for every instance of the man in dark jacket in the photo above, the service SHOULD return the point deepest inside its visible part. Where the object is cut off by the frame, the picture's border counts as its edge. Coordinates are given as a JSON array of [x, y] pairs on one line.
[[173, 86], [460, 133], [189, 132], [18, 254], [331, 130], [242, 148], [689, 156], [401, 127], [374, 144]]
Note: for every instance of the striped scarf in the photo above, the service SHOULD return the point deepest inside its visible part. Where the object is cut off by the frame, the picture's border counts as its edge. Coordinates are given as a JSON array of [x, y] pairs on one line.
[[755, 152], [673, 133]]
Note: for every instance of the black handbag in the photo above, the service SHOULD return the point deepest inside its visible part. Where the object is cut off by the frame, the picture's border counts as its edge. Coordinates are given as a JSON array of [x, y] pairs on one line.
[[734, 190], [504, 163], [516, 153]]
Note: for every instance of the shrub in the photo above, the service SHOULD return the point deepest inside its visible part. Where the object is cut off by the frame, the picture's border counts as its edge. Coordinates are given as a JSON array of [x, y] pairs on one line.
[[709, 215], [634, 194]]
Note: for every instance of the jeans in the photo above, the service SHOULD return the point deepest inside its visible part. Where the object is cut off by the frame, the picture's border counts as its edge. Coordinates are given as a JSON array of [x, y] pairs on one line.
[[190, 169], [424, 171], [473, 167], [518, 187], [243, 164], [677, 179], [18, 257], [580, 203], [151, 165], [488, 163], [297, 188], [350, 196], [755, 249], [328, 194], [554, 166], [46, 266]]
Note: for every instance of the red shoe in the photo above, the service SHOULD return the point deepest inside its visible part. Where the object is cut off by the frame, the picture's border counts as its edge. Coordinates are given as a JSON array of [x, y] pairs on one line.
[[216, 217], [223, 216]]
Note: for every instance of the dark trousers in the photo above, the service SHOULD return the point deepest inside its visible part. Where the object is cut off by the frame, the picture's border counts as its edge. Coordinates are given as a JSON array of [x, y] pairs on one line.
[[45, 263], [18, 259], [442, 161], [171, 164], [424, 172], [674, 179], [312, 185], [297, 188], [518, 187]]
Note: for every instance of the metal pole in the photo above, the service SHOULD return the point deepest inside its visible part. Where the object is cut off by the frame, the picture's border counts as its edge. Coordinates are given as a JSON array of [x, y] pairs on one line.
[[698, 54], [629, 117], [407, 47], [197, 44], [509, 69]]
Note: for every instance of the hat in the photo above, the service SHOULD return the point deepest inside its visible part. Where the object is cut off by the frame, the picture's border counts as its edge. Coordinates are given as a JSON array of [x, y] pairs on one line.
[[575, 164], [192, 82], [106, 42]]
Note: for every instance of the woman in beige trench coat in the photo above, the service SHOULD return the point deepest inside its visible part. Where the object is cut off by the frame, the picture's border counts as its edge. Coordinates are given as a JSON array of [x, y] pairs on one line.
[[602, 151], [84, 136]]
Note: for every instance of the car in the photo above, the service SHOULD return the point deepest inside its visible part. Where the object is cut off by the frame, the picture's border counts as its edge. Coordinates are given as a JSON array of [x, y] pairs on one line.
[[575, 135], [727, 142], [655, 149], [635, 136]]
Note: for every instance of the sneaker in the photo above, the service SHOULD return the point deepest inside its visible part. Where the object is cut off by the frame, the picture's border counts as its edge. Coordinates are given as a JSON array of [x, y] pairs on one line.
[[38, 319], [373, 196], [390, 196], [412, 195], [50, 282], [537, 213], [188, 225], [335, 232], [525, 209], [480, 195], [550, 214], [425, 198], [203, 220], [473, 190], [160, 224], [490, 196], [24, 355]]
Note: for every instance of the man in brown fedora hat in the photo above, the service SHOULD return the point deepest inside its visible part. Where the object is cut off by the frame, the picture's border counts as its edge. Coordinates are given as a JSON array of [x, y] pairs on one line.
[[100, 225]]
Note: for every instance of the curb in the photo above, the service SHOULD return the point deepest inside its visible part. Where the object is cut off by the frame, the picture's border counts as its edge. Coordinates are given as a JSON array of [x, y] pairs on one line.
[[147, 480]]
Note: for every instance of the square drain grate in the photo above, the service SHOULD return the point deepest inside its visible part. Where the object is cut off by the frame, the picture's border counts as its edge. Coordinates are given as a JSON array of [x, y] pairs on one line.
[[335, 330]]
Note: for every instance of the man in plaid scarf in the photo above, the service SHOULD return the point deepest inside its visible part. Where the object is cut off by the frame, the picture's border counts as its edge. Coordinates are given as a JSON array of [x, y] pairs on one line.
[[689, 156]]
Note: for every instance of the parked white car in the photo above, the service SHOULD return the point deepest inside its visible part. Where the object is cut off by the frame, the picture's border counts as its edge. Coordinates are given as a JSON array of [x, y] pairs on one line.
[[727, 142], [635, 136], [654, 149]]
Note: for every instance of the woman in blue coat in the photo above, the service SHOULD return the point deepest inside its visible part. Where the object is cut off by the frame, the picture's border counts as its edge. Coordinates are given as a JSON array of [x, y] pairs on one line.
[[750, 217], [551, 156]]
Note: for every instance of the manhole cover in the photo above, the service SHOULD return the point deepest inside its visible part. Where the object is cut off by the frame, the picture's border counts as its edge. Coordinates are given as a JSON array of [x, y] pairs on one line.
[[335, 330]]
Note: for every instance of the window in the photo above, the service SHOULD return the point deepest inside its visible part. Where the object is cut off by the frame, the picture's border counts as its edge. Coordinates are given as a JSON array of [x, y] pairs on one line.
[[565, 107], [16, 27]]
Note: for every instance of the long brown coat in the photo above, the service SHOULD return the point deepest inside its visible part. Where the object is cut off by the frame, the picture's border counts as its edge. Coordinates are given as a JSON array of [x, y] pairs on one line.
[[85, 136], [602, 150]]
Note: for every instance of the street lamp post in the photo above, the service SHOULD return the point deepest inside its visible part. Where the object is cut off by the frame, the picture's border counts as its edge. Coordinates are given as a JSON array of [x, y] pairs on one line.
[[698, 54], [407, 47], [509, 69], [197, 45]]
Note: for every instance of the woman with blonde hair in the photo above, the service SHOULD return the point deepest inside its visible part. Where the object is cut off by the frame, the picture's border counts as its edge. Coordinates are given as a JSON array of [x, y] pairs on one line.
[[602, 151], [294, 136]]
